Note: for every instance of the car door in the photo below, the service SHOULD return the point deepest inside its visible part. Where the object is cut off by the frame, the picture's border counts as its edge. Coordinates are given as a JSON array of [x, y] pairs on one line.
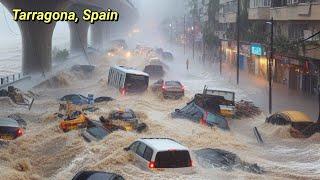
[[141, 162]]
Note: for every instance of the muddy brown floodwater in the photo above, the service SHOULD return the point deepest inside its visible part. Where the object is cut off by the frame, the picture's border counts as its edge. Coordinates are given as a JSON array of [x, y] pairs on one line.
[[45, 152]]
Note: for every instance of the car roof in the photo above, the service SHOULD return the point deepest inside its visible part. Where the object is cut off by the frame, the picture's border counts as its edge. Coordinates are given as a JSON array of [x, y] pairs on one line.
[[297, 116], [163, 144], [8, 122], [131, 70]]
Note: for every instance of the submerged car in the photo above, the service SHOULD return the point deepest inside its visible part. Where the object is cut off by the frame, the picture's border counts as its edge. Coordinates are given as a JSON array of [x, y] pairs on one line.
[[169, 89], [197, 114], [301, 124], [78, 99], [154, 71], [95, 131], [10, 129], [160, 154], [167, 56], [96, 175], [74, 120], [124, 120]]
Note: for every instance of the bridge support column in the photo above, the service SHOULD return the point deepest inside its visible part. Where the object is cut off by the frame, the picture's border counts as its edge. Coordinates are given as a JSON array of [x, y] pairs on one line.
[[36, 36], [37, 47], [98, 35], [78, 36]]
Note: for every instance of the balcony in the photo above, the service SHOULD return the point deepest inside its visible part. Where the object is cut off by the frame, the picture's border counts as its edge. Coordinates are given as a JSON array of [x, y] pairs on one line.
[[299, 12], [228, 17], [259, 13]]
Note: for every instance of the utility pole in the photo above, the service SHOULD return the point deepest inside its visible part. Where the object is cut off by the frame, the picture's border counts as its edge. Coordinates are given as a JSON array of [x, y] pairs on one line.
[[270, 65], [193, 42], [220, 56], [238, 41]]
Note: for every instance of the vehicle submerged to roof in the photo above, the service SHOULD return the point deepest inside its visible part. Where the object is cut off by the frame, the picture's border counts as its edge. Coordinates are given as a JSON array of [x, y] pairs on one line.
[[96, 175], [128, 80], [160, 154], [124, 120]]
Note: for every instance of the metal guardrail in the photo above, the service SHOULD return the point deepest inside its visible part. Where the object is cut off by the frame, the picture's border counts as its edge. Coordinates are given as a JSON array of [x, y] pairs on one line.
[[7, 80]]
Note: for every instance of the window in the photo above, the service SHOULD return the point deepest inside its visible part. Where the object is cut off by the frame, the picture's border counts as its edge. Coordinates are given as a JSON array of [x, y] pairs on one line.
[[148, 154], [173, 159], [134, 146], [141, 149]]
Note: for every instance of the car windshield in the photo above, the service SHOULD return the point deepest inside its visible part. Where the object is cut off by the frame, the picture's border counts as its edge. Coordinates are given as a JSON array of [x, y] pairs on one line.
[[173, 159], [97, 132]]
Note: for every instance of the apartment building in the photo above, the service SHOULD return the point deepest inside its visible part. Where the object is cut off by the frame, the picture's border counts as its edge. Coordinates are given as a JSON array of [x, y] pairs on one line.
[[296, 20]]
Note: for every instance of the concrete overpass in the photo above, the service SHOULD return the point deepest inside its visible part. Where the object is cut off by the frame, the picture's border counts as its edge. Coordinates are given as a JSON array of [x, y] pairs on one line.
[[37, 36]]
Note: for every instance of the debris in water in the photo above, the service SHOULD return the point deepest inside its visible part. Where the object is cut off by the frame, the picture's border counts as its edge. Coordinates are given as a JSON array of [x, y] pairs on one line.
[[23, 165], [246, 109]]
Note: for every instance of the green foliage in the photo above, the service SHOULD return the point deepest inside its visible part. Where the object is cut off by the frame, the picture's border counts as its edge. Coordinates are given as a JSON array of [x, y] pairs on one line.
[[60, 54], [283, 45]]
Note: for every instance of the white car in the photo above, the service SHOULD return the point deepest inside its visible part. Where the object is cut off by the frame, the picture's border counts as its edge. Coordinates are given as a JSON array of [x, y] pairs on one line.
[[161, 154]]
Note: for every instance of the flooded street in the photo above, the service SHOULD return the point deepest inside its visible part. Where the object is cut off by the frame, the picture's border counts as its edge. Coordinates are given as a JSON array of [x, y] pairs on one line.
[[45, 152]]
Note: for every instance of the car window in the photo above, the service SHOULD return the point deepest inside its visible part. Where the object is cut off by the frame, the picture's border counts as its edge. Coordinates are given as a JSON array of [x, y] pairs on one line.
[[172, 83], [148, 154], [134, 146], [97, 132], [172, 159], [141, 149]]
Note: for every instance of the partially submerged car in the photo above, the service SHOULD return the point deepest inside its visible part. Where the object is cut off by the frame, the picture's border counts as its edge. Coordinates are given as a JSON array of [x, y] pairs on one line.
[[96, 175], [154, 71], [79, 99], [218, 158], [74, 120], [301, 124], [123, 120], [10, 129], [167, 56], [197, 114], [95, 131], [169, 89], [160, 154], [217, 101]]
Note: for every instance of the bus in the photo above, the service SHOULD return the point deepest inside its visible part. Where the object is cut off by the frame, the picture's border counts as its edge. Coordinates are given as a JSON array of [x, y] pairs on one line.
[[128, 80]]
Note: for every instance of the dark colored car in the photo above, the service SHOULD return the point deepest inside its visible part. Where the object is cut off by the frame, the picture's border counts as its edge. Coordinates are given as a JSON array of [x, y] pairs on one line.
[[119, 43], [77, 99], [124, 120], [95, 131], [197, 114], [167, 56], [96, 175], [154, 71], [172, 89], [10, 129]]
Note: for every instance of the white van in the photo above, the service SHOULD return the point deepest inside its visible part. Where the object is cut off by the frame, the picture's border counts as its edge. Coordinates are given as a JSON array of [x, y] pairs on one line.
[[161, 154], [128, 80]]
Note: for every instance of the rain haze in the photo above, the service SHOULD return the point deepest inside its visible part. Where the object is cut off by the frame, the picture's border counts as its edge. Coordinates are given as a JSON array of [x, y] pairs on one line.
[[106, 97]]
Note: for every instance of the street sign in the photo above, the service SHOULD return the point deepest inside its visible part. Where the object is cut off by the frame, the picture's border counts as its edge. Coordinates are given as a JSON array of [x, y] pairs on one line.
[[256, 49]]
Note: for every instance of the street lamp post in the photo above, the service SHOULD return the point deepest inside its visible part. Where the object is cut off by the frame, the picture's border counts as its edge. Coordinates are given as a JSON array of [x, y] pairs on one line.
[[270, 65], [238, 42]]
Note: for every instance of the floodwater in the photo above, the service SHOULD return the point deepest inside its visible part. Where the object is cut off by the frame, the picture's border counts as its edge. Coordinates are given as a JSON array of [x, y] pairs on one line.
[[45, 152]]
